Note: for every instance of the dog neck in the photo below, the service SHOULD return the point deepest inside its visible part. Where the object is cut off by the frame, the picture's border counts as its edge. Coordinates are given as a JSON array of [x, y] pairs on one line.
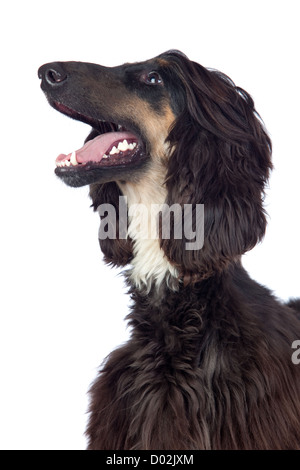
[[150, 267]]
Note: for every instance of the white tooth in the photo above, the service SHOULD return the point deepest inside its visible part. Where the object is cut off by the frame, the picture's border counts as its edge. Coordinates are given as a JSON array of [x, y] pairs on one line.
[[68, 163], [114, 150], [134, 144], [105, 156], [130, 146], [73, 159], [123, 145]]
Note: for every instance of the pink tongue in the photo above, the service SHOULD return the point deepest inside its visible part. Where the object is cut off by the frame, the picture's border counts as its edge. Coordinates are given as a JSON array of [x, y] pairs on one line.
[[94, 150]]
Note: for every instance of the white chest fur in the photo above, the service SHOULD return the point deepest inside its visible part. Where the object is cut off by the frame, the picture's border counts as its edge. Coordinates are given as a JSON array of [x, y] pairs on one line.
[[149, 265]]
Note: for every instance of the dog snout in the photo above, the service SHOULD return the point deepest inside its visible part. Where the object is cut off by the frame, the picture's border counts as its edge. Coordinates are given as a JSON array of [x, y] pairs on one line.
[[52, 75]]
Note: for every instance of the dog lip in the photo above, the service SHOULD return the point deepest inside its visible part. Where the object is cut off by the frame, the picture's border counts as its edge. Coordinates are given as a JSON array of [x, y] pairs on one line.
[[118, 162], [80, 116], [73, 113], [115, 146], [90, 172], [97, 123]]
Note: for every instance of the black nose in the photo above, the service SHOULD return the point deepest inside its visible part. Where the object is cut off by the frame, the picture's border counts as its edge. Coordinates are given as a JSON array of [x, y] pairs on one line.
[[52, 75]]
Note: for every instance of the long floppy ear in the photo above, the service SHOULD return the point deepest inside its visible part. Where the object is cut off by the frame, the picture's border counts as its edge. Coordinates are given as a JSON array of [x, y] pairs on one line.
[[115, 245], [220, 157]]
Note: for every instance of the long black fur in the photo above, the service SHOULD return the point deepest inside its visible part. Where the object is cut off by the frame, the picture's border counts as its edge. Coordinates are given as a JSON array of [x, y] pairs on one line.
[[209, 362]]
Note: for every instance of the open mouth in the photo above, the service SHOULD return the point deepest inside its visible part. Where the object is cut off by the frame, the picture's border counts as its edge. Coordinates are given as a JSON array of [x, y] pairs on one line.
[[109, 146]]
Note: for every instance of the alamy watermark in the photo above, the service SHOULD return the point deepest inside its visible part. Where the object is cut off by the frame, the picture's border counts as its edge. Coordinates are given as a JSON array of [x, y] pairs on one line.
[[179, 222], [296, 354]]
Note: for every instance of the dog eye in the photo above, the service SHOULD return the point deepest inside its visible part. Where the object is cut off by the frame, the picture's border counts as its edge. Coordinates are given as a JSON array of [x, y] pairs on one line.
[[153, 78]]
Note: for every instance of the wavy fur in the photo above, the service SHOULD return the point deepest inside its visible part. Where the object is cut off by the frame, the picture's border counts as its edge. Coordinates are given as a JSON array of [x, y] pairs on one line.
[[209, 361], [207, 367]]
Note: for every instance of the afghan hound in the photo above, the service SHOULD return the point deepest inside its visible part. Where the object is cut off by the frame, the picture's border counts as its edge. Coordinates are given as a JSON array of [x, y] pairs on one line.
[[213, 357]]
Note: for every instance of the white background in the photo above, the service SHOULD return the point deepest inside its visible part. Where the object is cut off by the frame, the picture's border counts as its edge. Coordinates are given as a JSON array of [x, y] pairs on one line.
[[62, 310]]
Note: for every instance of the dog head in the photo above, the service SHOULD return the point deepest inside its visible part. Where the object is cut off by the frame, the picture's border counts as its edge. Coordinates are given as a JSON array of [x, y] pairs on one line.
[[130, 112], [171, 124]]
